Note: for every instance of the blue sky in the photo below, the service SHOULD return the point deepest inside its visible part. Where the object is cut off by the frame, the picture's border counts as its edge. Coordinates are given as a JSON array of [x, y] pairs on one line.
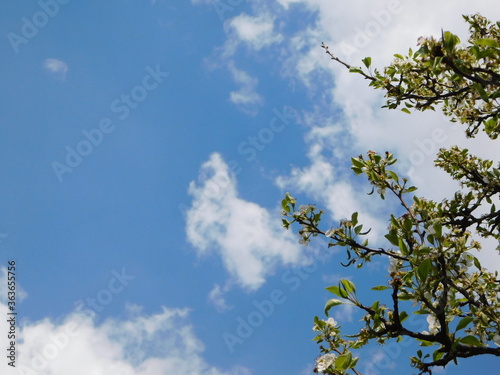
[[144, 149]]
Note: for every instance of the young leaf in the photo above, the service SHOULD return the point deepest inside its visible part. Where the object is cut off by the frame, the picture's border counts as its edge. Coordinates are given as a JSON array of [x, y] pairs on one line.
[[348, 285], [464, 322], [380, 287], [471, 340], [331, 303], [423, 269], [355, 70], [487, 42], [367, 61], [403, 315], [337, 291]]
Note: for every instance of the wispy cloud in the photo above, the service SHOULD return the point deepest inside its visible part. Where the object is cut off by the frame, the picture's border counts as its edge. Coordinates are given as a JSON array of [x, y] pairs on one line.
[[56, 66], [216, 296], [255, 31], [379, 360], [247, 237], [246, 97]]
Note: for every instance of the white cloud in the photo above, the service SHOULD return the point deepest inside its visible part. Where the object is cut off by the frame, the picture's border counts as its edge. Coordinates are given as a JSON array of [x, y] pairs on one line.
[[57, 67], [246, 97], [158, 344], [216, 296], [248, 238], [380, 359], [345, 313], [257, 32]]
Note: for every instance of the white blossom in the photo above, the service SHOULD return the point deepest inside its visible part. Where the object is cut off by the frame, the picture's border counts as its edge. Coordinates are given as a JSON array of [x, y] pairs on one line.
[[330, 321], [434, 325], [325, 361], [394, 265], [305, 208], [330, 233]]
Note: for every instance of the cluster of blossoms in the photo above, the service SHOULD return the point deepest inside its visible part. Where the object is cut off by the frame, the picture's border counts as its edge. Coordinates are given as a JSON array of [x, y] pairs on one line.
[[329, 324], [324, 362], [434, 325]]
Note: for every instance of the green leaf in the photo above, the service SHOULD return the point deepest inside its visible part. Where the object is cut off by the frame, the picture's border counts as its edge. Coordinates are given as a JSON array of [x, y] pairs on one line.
[[402, 246], [437, 355], [481, 91], [438, 229], [410, 189], [367, 61], [337, 291], [471, 340], [407, 223], [284, 205], [422, 312], [342, 361], [354, 218], [357, 163], [425, 342], [477, 263], [430, 238], [450, 40], [380, 287], [406, 110], [354, 362], [393, 238], [464, 322], [353, 69], [403, 315], [357, 171], [487, 42], [331, 303], [348, 285], [424, 269], [393, 175]]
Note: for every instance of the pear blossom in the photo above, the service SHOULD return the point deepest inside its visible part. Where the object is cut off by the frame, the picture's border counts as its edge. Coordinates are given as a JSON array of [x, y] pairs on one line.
[[330, 321], [394, 265], [330, 232], [434, 325], [325, 361]]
